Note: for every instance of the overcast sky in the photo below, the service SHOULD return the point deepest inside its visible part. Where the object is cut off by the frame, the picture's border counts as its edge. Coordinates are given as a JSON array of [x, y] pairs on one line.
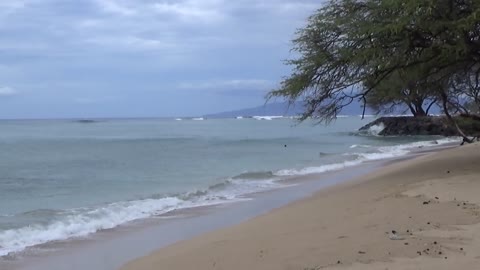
[[142, 58]]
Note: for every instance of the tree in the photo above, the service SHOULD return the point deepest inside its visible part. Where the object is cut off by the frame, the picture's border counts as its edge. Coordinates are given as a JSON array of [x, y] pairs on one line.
[[355, 49], [468, 85], [401, 92]]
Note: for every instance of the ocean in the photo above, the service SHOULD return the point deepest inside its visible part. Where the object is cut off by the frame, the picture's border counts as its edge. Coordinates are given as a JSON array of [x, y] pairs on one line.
[[65, 179]]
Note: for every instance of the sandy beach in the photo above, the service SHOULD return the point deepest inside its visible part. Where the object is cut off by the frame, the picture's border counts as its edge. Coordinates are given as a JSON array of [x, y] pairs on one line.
[[430, 203]]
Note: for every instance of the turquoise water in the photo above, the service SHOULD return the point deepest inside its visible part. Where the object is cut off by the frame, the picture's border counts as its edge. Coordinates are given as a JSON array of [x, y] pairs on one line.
[[62, 179]]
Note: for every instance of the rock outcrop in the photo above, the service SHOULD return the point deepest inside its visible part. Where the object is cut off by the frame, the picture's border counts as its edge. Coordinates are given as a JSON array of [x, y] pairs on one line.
[[413, 126]]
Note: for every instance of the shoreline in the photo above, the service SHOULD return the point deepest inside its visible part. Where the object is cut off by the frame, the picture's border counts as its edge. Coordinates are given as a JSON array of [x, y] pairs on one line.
[[428, 200], [110, 249], [78, 249], [85, 223]]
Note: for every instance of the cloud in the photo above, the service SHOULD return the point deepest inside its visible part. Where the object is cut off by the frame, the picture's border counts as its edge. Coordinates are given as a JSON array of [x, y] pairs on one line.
[[6, 91], [193, 11], [116, 7], [7, 7], [57, 50], [95, 100], [132, 42], [236, 84]]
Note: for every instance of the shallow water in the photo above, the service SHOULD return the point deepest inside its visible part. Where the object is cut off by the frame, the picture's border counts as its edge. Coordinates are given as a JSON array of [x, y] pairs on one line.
[[62, 179]]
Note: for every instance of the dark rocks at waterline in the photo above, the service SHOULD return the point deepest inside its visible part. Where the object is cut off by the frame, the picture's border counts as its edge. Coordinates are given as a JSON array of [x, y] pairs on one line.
[[414, 126]]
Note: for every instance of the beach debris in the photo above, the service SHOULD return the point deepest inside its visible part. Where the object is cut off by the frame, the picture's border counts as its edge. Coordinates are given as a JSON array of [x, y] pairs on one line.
[[261, 253], [339, 262], [426, 202], [428, 223], [361, 252], [435, 242], [406, 243], [448, 171], [437, 198], [461, 249], [394, 236], [419, 252]]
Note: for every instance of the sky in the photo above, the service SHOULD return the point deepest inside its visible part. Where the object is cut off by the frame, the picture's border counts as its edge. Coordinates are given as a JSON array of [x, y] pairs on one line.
[[142, 58]]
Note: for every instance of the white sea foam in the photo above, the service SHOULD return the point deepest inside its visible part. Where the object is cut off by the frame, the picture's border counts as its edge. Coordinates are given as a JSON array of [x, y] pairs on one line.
[[85, 221], [359, 146], [385, 152], [319, 169], [269, 118], [376, 129], [198, 119]]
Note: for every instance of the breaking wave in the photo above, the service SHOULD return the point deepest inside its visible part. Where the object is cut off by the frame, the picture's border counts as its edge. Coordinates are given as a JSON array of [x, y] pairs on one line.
[[81, 222]]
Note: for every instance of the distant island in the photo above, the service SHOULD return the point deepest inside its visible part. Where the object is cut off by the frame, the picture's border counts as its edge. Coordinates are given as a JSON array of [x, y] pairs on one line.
[[85, 121], [280, 109]]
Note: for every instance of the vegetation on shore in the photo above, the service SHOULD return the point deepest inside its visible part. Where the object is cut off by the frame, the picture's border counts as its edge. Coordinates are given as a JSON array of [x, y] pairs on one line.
[[388, 54]]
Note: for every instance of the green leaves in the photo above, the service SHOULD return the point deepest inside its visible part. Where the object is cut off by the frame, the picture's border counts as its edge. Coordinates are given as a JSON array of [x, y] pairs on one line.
[[385, 48]]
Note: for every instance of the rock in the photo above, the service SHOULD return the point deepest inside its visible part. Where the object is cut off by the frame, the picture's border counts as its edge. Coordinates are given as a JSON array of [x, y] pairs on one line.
[[407, 125]]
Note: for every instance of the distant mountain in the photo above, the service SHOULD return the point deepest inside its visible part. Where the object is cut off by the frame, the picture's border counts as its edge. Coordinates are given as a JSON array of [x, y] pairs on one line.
[[280, 109], [269, 109]]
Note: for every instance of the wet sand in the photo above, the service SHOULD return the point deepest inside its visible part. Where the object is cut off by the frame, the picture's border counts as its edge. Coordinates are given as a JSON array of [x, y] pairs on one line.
[[421, 213], [110, 249]]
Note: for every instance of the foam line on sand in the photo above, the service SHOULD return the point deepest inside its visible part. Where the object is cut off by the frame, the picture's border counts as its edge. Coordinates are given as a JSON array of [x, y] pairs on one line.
[[421, 213]]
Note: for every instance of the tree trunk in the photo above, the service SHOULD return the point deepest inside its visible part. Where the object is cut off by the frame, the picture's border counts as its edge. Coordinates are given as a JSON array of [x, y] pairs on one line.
[[430, 106], [452, 120], [417, 109]]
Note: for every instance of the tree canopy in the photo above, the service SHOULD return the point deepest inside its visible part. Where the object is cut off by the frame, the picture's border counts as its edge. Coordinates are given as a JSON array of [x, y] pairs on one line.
[[386, 52]]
